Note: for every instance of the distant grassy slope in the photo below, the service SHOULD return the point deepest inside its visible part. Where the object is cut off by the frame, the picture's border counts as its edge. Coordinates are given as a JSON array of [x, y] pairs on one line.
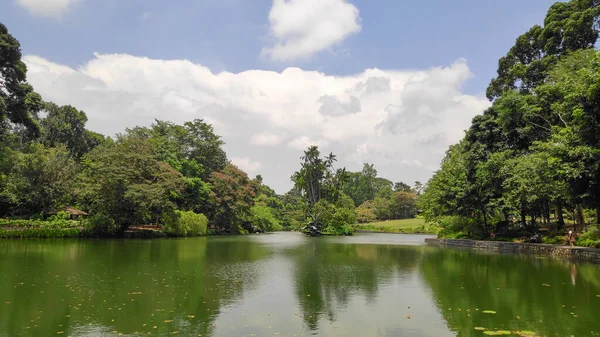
[[407, 226]]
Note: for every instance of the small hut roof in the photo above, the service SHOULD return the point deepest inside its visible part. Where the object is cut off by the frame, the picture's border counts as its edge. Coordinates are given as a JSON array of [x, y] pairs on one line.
[[69, 210]]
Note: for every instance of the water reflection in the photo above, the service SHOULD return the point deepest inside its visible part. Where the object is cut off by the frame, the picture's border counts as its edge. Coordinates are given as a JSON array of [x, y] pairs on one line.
[[529, 294], [138, 287], [327, 274], [287, 284]]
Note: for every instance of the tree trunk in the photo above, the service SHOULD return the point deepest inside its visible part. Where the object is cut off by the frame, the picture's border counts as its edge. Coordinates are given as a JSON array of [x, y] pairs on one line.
[[559, 216], [486, 230], [598, 216], [578, 217], [523, 219]]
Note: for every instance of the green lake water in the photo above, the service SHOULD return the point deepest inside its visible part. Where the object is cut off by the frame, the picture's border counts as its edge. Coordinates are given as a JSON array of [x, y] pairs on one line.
[[286, 284]]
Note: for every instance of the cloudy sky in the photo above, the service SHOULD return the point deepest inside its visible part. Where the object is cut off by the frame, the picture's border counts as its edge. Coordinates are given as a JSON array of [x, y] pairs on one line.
[[387, 82]]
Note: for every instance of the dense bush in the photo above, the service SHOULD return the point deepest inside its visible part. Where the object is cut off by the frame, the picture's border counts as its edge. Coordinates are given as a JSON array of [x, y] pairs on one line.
[[100, 225], [458, 227], [57, 228], [263, 220], [589, 238], [55, 223], [337, 219], [178, 223], [42, 233], [365, 214]]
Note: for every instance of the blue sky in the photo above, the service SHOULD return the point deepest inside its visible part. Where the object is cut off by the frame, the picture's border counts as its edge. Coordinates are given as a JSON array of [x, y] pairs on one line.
[[404, 37], [229, 34]]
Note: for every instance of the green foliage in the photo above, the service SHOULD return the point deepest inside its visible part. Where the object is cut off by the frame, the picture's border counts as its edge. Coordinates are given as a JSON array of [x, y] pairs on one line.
[[231, 198], [18, 102], [30, 229], [262, 219], [555, 240], [589, 238], [535, 152], [404, 226], [336, 219], [178, 223], [65, 125], [365, 213], [40, 179], [99, 225], [127, 182]]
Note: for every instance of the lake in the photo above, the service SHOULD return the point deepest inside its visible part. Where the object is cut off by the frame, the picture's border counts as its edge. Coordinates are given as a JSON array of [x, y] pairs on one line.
[[287, 284]]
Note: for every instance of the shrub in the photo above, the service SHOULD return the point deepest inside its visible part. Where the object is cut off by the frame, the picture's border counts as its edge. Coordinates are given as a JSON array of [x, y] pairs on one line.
[[58, 223], [178, 223], [365, 215], [100, 225], [554, 240], [262, 219], [589, 238], [458, 227], [336, 219]]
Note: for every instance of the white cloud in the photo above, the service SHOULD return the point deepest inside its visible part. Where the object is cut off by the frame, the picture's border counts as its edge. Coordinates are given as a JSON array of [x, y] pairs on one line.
[[302, 28], [49, 8], [246, 164], [266, 139], [401, 121], [302, 143]]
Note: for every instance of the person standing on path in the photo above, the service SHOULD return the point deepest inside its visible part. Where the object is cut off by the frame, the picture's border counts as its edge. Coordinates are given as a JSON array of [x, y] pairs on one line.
[[571, 239]]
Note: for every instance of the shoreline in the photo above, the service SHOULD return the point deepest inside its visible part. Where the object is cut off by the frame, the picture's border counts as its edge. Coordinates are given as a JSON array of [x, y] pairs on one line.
[[367, 231], [563, 252]]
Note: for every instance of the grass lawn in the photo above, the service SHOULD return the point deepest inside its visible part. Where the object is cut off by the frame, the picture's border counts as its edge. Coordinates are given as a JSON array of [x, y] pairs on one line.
[[406, 226]]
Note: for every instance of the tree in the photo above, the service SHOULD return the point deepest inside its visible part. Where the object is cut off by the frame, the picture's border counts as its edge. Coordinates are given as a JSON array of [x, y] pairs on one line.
[[568, 26], [66, 125], [128, 182], [404, 205], [315, 178], [365, 213], [19, 104], [402, 187], [232, 198], [320, 187], [40, 179]]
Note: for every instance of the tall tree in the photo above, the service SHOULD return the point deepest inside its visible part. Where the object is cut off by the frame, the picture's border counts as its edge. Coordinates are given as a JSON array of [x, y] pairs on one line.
[[127, 182], [568, 26], [232, 198], [19, 104]]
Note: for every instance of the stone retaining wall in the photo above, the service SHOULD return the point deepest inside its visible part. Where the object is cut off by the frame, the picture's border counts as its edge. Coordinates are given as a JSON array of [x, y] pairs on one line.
[[564, 252]]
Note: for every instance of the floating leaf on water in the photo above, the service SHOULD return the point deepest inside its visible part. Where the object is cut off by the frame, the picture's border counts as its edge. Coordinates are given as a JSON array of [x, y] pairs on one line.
[[525, 333], [545, 285], [497, 333], [489, 312], [479, 328]]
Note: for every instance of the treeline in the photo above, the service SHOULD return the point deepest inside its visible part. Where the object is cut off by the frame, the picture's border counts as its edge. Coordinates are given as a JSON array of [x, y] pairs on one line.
[[533, 157], [173, 178], [177, 176]]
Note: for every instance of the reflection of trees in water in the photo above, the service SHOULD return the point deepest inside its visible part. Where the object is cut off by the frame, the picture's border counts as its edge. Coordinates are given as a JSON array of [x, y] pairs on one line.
[[328, 275], [512, 285], [126, 287]]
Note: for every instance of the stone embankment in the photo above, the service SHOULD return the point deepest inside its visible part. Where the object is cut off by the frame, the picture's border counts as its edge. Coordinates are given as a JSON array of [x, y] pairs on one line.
[[564, 252]]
